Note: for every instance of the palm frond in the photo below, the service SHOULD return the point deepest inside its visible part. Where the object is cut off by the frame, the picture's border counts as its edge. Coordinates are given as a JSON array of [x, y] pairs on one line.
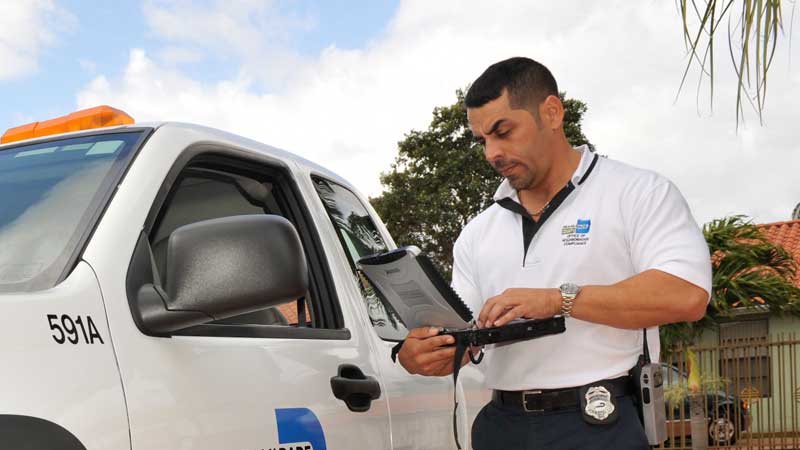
[[754, 38], [748, 271]]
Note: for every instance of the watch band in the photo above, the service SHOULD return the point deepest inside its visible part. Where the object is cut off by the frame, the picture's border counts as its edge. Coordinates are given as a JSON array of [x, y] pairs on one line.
[[568, 293], [567, 302]]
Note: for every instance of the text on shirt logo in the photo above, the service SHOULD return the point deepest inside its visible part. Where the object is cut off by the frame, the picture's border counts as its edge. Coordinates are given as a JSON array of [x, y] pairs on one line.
[[577, 234]]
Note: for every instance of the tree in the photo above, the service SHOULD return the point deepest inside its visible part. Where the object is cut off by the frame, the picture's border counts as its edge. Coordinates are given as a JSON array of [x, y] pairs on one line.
[[440, 180], [752, 40]]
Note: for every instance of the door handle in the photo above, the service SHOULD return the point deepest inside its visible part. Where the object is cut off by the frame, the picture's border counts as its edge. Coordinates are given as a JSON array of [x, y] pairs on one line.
[[354, 388]]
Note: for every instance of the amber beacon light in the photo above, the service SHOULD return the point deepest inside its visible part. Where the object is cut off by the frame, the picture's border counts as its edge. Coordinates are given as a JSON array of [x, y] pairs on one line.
[[85, 119]]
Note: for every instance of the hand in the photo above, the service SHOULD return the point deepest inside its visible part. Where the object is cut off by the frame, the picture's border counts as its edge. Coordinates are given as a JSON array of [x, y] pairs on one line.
[[424, 353], [519, 302]]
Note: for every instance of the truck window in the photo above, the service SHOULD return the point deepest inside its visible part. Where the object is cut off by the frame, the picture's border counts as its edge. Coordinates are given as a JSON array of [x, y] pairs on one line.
[[359, 237], [52, 194], [201, 194]]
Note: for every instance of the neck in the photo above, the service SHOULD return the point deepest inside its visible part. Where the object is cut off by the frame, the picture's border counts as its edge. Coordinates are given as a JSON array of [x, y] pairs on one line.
[[564, 165]]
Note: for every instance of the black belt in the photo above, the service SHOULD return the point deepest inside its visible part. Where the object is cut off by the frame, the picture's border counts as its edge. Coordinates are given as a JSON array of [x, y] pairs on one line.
[[545, 400]]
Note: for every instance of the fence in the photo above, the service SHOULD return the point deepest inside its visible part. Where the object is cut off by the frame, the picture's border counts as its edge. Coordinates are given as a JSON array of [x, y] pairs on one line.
[[750, 394]]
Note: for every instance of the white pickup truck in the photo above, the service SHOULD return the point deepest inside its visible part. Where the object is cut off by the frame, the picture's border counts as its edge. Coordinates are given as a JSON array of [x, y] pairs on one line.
[[171, 286]]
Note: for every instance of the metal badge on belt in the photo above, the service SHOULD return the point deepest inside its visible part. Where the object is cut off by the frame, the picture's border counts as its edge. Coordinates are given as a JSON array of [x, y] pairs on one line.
[[597, 403]]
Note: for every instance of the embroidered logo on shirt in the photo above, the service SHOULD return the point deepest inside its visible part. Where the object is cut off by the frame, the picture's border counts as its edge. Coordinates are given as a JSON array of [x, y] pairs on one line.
[[577, 234]]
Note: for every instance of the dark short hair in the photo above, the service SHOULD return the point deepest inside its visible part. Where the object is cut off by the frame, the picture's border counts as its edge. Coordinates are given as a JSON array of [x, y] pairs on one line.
[[527, 81]]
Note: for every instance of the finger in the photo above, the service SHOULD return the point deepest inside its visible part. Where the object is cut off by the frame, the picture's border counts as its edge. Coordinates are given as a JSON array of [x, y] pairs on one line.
[[497, 310], [433, 343], [486, 307], [441, 341], [508, 316], [445, 354], [414, 348], [423, 332], [413, 356]]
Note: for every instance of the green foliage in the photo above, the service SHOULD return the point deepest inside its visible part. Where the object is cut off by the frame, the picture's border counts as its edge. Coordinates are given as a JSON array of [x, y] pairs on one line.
[[748, 271], [440, 180]]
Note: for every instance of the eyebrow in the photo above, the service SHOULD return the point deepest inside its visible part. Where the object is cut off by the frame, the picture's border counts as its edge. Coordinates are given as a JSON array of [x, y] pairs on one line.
[[494, 128], [496, 125]]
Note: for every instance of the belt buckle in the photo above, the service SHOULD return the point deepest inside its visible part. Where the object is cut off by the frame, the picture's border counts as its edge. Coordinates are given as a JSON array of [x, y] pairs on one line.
[[525, 395]]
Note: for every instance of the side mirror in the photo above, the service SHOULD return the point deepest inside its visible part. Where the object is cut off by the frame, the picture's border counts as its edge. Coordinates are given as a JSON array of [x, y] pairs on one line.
[[220, 268]]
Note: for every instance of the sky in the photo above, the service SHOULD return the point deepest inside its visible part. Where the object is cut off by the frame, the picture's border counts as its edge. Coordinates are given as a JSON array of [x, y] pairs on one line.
[[341, 82]]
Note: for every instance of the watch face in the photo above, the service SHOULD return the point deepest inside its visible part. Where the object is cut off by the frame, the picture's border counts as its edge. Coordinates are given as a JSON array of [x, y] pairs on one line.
[[570, 288]]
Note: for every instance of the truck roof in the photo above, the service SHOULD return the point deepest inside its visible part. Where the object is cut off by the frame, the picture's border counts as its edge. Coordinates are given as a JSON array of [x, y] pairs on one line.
[[201, 133]]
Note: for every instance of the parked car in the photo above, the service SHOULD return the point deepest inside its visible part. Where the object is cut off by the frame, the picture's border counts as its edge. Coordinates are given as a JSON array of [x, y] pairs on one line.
[[170, 286], [726, 414]]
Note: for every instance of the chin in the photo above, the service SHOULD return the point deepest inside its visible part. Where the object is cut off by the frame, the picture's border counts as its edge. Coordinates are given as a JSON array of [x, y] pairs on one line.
[[521, 183]]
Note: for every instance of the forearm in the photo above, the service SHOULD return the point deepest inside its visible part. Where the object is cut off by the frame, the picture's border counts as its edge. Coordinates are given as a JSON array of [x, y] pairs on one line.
[[647, 299]]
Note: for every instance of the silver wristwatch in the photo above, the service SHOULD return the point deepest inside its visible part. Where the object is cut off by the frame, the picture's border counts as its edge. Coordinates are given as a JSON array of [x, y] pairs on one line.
[[568, 293]]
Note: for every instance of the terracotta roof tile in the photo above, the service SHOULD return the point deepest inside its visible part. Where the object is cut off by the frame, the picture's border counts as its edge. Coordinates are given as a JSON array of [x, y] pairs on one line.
[[786, 234], [289, 310]]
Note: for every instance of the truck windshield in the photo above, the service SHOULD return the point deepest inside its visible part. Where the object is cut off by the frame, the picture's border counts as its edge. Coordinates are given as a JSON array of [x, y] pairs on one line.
[[52, 193]]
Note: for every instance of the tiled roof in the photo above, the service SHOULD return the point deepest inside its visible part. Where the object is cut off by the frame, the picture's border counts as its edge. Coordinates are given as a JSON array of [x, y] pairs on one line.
[[289, 311], [786, 234]]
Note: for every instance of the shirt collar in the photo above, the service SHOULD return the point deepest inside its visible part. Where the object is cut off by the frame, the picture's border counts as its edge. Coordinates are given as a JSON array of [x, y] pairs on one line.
[[586, 164]]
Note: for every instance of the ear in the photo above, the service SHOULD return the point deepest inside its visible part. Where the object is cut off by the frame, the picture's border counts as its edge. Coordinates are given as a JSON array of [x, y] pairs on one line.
[[551, 110]]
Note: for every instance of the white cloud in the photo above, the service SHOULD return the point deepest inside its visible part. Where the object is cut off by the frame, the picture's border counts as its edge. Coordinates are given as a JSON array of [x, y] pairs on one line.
[[346, 109], [173, 56], [27, 27], [253, 33]]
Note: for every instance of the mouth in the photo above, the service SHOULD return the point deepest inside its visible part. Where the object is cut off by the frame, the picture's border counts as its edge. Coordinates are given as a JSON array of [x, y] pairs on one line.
[[506, 171]]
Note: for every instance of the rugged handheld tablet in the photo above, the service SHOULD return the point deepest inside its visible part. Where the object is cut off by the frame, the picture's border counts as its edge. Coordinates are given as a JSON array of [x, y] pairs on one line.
[[512, 331]]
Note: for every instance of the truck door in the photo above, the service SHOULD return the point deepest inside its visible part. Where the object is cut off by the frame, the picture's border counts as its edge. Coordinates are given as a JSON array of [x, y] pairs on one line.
[[263, 380], [421, 407]]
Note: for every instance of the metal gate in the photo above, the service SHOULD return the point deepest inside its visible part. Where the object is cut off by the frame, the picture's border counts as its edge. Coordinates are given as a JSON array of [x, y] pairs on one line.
[[750, 394]]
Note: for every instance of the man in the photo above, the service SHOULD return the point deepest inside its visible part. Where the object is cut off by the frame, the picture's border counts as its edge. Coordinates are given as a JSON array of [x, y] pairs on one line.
[[611, 247]]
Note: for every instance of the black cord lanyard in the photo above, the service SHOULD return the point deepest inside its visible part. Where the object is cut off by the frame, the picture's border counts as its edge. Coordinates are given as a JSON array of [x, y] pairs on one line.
[[462, 347]]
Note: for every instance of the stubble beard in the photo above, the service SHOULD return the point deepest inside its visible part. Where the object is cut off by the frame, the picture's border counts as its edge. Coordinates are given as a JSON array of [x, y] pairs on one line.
[[523, 181]]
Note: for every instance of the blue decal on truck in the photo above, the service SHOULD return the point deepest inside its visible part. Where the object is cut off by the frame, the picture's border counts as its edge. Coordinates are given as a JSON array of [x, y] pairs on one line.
[[299, 425]]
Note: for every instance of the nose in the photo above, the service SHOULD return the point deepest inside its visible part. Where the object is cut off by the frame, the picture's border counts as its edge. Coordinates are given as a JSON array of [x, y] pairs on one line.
[[492, 151]]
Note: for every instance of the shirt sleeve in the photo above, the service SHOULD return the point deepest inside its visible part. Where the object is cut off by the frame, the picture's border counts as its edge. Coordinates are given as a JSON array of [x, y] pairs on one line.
[[663, 235], [464, 275]]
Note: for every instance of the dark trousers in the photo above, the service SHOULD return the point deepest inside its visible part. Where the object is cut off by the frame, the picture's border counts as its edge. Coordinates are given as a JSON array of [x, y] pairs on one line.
[[499, 428]]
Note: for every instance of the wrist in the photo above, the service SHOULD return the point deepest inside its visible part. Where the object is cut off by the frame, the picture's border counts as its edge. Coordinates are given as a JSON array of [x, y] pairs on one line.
[[555, 302]]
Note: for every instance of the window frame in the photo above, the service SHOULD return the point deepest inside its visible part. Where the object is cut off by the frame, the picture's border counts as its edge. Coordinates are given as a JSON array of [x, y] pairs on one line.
[[329, 318], [757, 358], [314, 176]]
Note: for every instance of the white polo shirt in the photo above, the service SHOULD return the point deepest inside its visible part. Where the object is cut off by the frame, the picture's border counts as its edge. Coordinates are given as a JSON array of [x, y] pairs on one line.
[[618, 221]]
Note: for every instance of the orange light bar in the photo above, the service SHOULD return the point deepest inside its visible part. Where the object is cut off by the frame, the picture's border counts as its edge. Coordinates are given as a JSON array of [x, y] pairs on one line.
[[86, 119]]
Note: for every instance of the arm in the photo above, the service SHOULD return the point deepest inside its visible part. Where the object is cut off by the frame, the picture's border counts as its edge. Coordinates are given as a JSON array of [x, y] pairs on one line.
[[669, 254], [650, 298]]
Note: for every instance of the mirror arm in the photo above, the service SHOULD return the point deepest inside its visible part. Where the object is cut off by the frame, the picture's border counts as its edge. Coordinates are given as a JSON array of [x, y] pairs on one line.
[[159, 320]]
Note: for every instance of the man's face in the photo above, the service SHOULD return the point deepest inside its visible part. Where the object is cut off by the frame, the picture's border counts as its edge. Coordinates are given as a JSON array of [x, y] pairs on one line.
[[513, 142]]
